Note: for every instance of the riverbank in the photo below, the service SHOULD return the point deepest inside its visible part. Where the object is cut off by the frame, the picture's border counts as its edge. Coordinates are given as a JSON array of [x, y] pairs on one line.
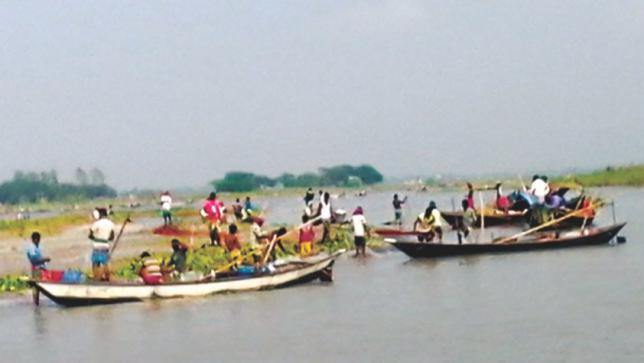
[[631, 175]]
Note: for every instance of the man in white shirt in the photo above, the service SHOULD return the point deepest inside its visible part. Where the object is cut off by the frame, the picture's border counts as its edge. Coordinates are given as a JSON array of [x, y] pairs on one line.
[[539, 188], [101, 234], [325, 213], [166, 207], [359, 231]]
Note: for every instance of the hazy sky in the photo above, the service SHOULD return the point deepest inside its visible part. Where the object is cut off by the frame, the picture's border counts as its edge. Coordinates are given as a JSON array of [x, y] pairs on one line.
[[176, 93]]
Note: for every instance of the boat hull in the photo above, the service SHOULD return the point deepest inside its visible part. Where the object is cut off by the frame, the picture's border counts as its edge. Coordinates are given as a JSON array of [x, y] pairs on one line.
[[598, 236], [96, 293]]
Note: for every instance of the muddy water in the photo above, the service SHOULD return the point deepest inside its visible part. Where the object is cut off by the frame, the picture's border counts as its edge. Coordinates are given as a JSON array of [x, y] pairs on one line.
[[578, 305]]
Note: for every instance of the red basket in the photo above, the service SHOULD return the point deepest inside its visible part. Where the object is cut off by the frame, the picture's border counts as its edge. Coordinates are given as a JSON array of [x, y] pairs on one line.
[[51, 275]]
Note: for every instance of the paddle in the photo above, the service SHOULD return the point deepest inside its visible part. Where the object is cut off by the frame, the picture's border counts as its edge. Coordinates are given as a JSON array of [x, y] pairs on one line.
[[547, 224], [118, 237]]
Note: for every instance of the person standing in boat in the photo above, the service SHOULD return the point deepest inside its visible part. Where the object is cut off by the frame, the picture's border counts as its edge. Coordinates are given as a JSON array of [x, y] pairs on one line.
[[326, 214], [429, 224], [101, 234], [398, 204], [36, 259], [212, 213], [166, 207], [359, 232], [306, 237], [502, 202], [539, 188]]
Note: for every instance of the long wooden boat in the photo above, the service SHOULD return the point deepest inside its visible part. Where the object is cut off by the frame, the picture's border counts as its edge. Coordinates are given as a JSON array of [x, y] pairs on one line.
[[591, 236], [93, 293]]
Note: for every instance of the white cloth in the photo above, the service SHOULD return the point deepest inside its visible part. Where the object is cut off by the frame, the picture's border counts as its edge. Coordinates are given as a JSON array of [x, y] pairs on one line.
[[325, 213], [434, 220], [540, 189], [166, 202], [359, 222], [438, 219], [102, 230]]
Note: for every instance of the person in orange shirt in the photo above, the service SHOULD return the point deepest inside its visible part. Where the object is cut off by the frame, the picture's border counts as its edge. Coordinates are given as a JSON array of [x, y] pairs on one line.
[[230, 241]]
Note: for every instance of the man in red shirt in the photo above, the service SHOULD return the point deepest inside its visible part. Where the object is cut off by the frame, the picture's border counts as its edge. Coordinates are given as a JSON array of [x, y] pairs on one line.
[[212, 213]]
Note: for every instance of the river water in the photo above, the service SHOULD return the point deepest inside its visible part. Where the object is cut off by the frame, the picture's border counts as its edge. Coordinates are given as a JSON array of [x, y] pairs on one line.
[[578, 305]]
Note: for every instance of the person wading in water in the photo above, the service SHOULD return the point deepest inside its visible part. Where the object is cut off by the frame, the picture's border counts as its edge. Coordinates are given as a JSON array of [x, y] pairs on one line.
[[398, 204]]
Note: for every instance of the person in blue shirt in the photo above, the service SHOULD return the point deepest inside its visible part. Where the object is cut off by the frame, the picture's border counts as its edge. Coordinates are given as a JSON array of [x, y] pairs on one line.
[[34, 254]]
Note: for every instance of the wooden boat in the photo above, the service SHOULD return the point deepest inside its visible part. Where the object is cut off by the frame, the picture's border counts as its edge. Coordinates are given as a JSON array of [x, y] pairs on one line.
[[287, 273], [589, 237]]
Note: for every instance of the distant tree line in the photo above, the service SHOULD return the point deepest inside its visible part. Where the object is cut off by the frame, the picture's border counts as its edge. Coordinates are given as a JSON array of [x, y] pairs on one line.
[[339, 175], [29, 187]]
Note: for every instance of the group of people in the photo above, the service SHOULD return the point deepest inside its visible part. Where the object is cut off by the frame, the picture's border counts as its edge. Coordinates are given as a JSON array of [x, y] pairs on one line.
[[102, 235], [323, 213], [428, 225], [153, 272]]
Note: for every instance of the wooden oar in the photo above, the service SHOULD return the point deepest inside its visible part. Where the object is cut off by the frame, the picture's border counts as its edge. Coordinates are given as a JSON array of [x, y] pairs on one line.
[[547, 224], [118, 237]]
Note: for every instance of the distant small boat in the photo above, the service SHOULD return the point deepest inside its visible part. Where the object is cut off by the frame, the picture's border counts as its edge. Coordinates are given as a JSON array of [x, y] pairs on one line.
[[589, 237], [289, 273]]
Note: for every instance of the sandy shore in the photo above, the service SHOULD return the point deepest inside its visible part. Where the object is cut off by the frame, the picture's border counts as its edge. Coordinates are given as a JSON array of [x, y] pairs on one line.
[[72, 248]]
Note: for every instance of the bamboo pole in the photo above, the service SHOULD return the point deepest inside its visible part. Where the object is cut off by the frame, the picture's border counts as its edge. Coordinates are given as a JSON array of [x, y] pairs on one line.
[[547, 224], [482, 231], [118, 238]]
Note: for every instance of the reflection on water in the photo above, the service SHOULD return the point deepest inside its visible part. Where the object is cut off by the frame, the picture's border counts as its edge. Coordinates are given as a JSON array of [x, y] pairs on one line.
[[582, 305]]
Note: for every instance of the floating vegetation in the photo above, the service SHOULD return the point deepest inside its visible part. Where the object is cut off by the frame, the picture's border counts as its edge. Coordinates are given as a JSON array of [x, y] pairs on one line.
[[13, 283]]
